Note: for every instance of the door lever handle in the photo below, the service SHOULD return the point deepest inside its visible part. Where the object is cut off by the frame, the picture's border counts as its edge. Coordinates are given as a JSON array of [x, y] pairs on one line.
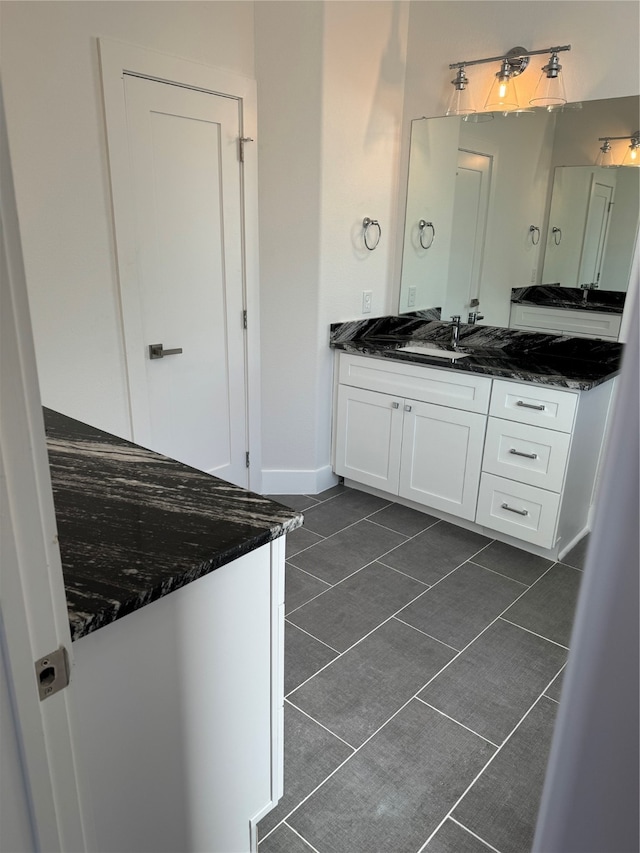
[[156, 351]]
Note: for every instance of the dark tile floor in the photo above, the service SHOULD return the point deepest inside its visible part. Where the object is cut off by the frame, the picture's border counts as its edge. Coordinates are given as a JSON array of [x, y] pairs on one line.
[[422, 677]]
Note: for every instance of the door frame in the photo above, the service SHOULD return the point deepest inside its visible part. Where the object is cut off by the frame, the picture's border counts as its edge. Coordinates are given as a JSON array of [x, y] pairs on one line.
[[33, 608], [116, 60]]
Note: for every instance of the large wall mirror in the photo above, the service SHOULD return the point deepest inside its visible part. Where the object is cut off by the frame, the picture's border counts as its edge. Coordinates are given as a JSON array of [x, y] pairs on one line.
[[514, 201]]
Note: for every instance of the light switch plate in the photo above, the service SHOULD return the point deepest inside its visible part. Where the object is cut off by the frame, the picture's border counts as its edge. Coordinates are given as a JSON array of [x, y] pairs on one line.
[[367, 297]]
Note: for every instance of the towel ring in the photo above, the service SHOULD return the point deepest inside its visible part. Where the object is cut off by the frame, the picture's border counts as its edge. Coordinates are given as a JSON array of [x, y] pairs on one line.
[[366, 224], [422, 226], [557, 235], [535, 234]]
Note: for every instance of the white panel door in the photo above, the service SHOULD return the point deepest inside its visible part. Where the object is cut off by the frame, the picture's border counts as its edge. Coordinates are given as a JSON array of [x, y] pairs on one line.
[[595, 233], [368, 437], [442, 457], [473, 177], [186, 189]]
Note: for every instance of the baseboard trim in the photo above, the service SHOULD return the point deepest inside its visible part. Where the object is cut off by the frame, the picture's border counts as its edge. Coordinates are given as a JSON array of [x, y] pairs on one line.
[[275, 482]]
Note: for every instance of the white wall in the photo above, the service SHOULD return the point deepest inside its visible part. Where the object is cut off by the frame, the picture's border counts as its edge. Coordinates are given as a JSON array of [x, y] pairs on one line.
[[330, 89], [289, 73], [58, 149]]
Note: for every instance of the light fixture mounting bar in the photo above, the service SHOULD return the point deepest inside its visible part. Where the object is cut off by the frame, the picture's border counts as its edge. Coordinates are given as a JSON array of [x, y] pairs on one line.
[[511, 56]]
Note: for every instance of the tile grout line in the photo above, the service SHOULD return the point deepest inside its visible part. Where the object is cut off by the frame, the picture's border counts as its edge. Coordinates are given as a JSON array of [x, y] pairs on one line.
[[501, 574], [475, 835], [420, 631], [490, 761], [308, 843], [313, 637], [313, 719], [535, 633], [393, 530], [457, 722]]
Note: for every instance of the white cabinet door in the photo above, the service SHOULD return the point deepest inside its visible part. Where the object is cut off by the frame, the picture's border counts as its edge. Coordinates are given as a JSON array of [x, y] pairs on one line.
[[442, 457], [368, 437]]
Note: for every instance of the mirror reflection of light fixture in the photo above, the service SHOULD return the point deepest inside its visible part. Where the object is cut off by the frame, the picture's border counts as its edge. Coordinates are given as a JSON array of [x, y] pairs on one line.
[[606, 157], [550, 89], [632, 157], [502, 96]]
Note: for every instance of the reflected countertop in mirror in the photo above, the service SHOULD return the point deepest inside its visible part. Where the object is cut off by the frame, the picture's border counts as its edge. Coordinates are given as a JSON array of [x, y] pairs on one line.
[[515, 201], [556, 360], [574, 298]]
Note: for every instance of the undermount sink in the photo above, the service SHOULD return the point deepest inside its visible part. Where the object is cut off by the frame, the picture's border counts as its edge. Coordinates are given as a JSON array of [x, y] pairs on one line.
[[432, 352]]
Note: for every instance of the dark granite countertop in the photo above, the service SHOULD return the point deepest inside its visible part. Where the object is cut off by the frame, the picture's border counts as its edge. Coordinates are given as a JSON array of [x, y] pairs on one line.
[[558, 360], [554, 296], [134, 525]]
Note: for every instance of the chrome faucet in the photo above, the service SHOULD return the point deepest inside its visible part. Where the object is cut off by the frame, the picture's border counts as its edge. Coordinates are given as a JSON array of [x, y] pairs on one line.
[[455, 331], [474, 316]]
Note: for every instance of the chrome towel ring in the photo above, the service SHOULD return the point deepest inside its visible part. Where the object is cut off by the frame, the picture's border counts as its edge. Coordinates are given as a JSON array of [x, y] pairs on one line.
[[422, 226], [371, 223], [557, 235], [535, 234]]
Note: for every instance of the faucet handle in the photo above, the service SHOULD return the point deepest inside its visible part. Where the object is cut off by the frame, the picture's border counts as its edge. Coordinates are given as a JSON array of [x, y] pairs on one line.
[[455, 318]]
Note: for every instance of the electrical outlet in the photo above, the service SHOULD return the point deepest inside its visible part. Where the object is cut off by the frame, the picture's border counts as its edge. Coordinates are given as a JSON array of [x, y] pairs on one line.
[[411, 299], [367, 296], [534, 272]]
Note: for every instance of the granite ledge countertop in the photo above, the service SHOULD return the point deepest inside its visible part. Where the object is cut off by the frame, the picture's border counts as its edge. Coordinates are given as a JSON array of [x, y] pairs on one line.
[[556, 360], [554, 296], [134, 525]]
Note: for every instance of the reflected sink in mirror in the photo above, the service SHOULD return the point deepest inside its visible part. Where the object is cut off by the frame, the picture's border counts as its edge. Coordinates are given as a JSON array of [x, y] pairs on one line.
[[432, 352]]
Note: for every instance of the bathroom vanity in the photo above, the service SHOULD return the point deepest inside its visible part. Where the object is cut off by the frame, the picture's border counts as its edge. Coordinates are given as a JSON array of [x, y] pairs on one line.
[[502, 436], [175, 590]]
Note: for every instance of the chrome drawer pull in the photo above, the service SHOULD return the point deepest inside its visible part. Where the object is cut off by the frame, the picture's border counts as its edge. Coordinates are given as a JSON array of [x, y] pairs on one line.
[[519, 511], [407, 408], [395, 405], [520, 453], [530, 406]]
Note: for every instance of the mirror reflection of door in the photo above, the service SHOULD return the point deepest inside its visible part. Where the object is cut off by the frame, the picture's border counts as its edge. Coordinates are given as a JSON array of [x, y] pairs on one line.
[[470, 208], [595, 232]]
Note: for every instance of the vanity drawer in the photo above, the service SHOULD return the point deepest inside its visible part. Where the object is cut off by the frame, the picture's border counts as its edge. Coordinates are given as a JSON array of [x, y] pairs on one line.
[[526, 453], [426, 384], [516, 509], [533, 404]]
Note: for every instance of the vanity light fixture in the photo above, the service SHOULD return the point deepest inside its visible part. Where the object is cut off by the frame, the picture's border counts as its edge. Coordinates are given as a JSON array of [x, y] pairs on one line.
[[502, 96], [550, 89], [460, 103]]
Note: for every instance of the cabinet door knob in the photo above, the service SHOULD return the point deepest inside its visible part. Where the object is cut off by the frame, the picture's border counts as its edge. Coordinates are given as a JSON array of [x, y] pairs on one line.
[[395, 405], [407, 408]]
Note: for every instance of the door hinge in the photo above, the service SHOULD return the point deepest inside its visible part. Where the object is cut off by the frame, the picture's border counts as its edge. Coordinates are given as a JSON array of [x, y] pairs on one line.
[[52, 673], [241, 143], [247, 458], [244, 319]]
